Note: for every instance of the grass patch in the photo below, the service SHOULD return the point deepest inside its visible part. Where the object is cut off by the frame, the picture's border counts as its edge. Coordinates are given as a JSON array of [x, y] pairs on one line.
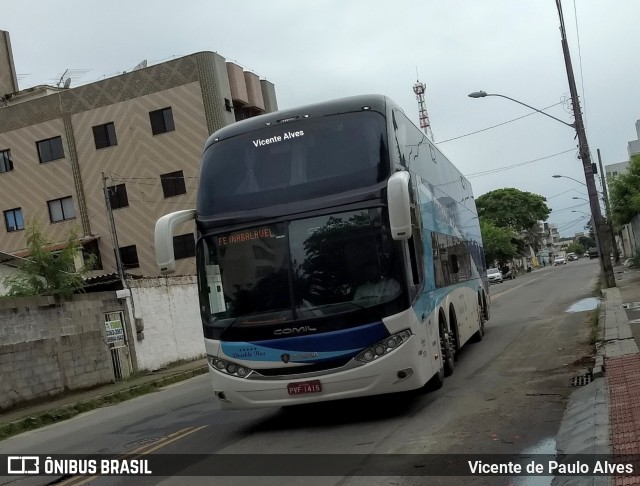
[[597, 288], [52, 417], [594, 332]]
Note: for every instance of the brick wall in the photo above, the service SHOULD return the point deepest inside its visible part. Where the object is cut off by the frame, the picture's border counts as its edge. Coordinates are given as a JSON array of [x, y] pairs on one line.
[[169, 309], [48, 348]]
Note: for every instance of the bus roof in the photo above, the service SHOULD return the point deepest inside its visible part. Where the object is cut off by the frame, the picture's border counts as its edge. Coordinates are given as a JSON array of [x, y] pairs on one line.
[[332, 107]]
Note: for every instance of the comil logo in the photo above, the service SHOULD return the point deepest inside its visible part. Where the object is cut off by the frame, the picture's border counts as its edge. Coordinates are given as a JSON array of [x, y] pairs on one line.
[[23, 465]]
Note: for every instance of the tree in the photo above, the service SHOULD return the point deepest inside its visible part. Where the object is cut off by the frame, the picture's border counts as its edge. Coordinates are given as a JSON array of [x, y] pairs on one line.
[[575, 248], [497, 243], [533, 237], [512, 208], [624, 193], [587, 242], [47, 272]]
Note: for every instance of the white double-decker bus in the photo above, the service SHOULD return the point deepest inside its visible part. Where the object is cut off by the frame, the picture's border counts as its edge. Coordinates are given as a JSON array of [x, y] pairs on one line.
[[338, 255]]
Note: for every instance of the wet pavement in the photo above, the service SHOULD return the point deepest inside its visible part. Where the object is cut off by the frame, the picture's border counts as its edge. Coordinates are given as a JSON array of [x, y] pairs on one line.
[[583, 305]]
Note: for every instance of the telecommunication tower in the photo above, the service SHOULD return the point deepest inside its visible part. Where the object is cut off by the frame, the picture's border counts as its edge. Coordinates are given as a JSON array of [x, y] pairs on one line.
[[419, 90]]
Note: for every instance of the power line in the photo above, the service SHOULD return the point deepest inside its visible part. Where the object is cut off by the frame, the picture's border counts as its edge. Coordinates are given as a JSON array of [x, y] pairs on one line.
[[507, 167], [564, 192], [584, 102], [570, 207], [498, 125]]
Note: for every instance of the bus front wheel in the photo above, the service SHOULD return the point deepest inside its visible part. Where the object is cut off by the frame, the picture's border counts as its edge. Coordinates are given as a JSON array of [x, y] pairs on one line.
[[437, 380], [477, 337]]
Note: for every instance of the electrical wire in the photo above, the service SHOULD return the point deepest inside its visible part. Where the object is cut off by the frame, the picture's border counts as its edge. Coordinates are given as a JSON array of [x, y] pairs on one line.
[[499, 124], [584, 102], [513, 166]]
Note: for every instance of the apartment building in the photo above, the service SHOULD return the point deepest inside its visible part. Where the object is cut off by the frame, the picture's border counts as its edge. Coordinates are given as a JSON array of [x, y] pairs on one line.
[[140, 134]]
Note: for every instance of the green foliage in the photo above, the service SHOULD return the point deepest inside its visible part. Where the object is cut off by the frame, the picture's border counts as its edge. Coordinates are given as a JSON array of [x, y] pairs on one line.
[[497, 242], [576, 248], [624, 193], [532, 237], [587, 242], [47, 272], [512, 208]]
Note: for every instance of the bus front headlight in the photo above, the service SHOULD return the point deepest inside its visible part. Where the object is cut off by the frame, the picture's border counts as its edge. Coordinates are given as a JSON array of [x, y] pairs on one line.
[[383, 347], [229, 367]]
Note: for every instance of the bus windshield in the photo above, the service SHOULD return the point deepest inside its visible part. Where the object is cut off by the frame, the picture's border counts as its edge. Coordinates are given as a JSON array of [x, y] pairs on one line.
[[294, 161], [298, 270]]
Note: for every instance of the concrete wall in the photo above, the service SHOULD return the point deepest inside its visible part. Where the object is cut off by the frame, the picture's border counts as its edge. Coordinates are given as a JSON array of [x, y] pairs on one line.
[[48, 348], [170, 312]]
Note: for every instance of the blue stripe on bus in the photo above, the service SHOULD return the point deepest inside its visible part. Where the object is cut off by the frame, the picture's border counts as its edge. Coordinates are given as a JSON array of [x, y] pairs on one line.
[[431, 300], [312, 348]]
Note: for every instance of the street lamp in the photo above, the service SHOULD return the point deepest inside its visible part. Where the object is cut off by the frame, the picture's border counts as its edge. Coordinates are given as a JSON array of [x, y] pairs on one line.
[[482, 94], [605, 263], [556, 176], [575, 197]]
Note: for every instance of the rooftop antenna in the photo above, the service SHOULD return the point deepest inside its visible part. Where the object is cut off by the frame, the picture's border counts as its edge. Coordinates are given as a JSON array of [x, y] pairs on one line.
[[62, 77], [141, 65], [419, 89]]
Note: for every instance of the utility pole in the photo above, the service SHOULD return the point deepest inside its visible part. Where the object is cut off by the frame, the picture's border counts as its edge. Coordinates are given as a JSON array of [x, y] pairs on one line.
[[112, 227], [605, 193], [603, 243]]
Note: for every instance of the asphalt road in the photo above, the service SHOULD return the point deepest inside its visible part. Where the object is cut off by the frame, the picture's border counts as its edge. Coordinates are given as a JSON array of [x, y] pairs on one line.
[[507, 395]]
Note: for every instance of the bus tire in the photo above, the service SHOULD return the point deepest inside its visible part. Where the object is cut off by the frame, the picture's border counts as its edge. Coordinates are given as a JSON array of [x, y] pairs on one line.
[[479, 334], [437, 380], [485, 307], [446, 348]]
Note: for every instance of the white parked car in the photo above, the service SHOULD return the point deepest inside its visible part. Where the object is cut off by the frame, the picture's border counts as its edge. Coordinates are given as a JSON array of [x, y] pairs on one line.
[[494, 275], [560, 260]]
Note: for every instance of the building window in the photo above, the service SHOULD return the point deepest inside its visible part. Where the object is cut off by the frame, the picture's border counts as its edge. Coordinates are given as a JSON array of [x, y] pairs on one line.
[[13, 219], [50, 149], [90, 250], [161, 121], [61, 209], [129, 256], [173, 184], [227, 105], [6, 164], [184, 246], [105, 135], [118, 196]]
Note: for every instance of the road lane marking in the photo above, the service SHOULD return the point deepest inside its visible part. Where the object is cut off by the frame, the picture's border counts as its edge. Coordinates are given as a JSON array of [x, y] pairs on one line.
[[140, 451], [514, 288]]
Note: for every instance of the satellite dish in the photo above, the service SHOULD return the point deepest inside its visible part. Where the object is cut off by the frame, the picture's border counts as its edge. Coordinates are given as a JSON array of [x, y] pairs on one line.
[[67, 83]]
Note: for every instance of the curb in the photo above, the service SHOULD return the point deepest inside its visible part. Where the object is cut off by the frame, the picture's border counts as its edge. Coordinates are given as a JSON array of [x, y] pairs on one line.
[[64, 413]]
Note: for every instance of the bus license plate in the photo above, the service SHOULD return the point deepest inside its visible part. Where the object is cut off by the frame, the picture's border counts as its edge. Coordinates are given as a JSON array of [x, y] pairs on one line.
[[304, 387]]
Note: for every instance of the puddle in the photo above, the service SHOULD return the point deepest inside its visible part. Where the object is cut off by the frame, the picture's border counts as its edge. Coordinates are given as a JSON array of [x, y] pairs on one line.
[[584, 305], [545, 446]]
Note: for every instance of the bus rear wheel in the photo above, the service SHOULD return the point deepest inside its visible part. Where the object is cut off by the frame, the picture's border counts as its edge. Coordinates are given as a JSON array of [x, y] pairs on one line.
[[447, 350]]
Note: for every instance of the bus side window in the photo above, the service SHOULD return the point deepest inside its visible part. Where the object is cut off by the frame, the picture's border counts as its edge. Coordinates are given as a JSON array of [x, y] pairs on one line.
[[416, 256]]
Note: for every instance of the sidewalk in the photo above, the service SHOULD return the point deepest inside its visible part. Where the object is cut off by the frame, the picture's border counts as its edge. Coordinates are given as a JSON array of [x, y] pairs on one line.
[[68, 405], [604, 416]]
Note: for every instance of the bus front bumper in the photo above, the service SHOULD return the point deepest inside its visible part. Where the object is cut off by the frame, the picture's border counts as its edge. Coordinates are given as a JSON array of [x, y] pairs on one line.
[[404, 369]]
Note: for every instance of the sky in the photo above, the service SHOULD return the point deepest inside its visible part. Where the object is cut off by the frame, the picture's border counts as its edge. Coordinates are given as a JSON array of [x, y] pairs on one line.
[[317, 50]]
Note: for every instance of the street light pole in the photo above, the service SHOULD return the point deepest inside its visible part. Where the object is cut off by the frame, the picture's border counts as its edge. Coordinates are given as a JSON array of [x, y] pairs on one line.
[[605, 261], [482, 94], [607, 207]]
